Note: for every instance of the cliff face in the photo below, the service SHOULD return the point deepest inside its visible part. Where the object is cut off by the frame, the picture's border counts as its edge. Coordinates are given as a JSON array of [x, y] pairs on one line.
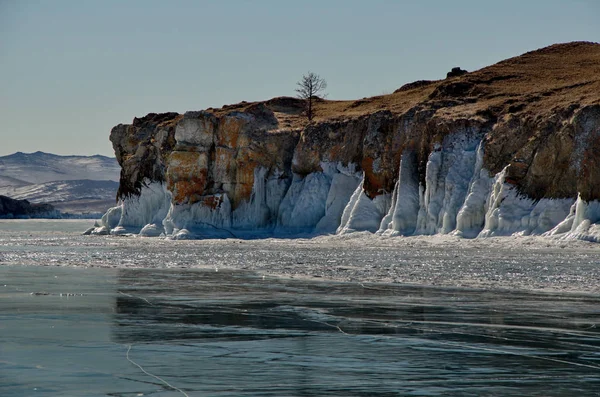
[[512, 148]]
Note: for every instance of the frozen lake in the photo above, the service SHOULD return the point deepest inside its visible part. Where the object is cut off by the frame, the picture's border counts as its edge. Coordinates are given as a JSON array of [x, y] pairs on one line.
[[358, 316]]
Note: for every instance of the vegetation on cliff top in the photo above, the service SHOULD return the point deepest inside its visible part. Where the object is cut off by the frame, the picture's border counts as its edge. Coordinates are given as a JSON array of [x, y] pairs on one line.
[[537, 82]]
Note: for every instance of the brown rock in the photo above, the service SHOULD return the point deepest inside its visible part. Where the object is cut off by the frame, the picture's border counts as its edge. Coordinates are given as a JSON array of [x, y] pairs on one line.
[[538, 114], [456, 72]]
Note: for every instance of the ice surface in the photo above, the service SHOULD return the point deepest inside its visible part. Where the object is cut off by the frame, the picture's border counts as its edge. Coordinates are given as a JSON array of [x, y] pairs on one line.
[[152, 230], [462, 199], [260, 211], [109, 221], [111, 330], [513, 262], [134, 213], [262, 208]]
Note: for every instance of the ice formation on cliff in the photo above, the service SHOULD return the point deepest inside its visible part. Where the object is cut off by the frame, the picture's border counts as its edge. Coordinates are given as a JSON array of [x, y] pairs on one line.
[[459, 197], [362, 213], [138, 214], [580, 223], [342, 188], [509, 213], [304, 204], [198, 219], [401, 218]]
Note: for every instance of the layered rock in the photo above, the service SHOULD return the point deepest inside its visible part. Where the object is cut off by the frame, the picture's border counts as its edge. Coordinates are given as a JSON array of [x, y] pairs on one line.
[[509, 149]]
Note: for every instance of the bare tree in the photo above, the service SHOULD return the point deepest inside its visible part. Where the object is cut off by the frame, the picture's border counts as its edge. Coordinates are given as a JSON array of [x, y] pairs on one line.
[[308, 88]]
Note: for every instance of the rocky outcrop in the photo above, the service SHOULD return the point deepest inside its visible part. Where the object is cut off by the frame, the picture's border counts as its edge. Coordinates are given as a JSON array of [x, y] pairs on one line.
[[456, 72], [509, 149], [10, 208]]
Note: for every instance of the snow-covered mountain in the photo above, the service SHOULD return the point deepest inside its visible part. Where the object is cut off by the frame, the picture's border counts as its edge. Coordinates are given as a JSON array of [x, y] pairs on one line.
[[40, 167], [59, 191], [73, 184]]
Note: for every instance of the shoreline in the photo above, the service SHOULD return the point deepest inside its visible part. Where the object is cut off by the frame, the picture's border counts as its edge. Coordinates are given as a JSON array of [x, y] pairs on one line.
[[536, 264]]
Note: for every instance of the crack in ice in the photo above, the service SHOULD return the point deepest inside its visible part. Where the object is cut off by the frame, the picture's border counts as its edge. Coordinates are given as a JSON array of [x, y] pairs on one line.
[[154, 376], [136, 297], [464, 346]]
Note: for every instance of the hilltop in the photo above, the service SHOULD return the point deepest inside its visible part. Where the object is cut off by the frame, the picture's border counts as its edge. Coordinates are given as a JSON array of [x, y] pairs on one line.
[[537, 83]]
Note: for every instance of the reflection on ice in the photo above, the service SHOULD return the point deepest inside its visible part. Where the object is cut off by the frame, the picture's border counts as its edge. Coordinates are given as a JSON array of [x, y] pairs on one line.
[[237, 333], [321, 338]]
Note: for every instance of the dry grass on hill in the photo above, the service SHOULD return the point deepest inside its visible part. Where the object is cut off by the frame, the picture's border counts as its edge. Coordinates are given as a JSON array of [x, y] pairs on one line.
[[537, 83]]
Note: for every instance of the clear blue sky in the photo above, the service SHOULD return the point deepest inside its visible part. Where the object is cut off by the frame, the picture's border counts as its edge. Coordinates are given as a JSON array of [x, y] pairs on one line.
[[70, 70]]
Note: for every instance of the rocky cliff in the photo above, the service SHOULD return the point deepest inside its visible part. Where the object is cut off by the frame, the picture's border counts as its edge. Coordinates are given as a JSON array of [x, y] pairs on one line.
[[513, 148], [10, 208]]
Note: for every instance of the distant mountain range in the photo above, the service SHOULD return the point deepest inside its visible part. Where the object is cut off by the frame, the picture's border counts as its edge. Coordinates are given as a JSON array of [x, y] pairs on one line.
[[77, 185]]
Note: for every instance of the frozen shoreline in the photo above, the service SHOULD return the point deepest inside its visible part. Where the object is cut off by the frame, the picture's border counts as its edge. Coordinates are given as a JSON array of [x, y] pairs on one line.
[[516, 263], [446, 261]]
